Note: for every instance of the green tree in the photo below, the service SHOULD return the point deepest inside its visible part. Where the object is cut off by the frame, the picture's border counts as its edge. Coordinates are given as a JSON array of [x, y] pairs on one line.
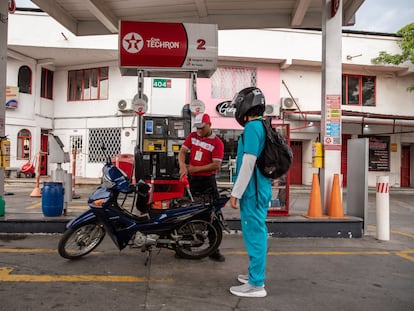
[[407, 47]]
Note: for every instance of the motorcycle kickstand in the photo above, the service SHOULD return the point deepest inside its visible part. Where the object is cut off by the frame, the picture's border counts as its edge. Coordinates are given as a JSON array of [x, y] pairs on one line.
[[149, 254]]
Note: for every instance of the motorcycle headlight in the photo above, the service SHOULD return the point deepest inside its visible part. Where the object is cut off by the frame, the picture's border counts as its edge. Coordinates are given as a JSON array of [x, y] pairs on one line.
[[107, 181]]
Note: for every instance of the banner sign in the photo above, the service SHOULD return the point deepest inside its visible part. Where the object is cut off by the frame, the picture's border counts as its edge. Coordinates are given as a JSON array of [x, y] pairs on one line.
[[158, 46], [225, 109], [11, 96], [379, 154]]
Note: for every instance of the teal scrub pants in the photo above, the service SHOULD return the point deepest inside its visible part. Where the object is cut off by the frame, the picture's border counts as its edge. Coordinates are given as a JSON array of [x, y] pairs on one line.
[[253, 224]]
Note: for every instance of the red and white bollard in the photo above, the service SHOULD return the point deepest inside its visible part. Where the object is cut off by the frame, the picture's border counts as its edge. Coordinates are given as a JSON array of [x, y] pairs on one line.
[[383, 208]]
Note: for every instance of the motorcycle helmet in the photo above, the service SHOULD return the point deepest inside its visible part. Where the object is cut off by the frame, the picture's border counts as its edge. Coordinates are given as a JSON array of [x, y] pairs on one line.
[[248, 99]]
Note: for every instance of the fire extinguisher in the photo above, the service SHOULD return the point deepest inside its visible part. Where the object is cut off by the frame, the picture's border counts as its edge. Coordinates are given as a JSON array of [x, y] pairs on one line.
[[4, 152], [317, 155]]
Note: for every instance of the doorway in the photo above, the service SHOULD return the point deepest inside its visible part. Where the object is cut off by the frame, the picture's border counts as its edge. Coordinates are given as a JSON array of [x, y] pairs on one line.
[[405, 166], [296, 167], [344, 158], [43, 152]]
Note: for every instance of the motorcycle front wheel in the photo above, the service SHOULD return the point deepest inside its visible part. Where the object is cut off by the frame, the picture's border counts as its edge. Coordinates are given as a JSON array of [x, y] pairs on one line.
[[79, 241], [198, 239]]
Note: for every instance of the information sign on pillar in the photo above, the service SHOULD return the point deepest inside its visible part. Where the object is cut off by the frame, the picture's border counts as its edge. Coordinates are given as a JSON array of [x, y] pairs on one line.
[[331, 129]]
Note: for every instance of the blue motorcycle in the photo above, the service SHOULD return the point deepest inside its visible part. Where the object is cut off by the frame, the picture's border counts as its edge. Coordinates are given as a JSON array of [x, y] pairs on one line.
[[192, 227]]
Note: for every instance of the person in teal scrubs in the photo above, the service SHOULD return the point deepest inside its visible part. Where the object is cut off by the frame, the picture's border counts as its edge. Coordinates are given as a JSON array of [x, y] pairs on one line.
[[252, 190]]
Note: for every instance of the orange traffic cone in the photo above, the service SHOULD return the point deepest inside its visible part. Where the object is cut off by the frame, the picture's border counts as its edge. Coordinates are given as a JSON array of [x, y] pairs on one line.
[[335, 206], [315, 203], [36, 193]]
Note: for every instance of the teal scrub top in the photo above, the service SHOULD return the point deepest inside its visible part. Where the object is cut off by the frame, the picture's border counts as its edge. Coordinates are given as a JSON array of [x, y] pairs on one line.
[[253, 143]]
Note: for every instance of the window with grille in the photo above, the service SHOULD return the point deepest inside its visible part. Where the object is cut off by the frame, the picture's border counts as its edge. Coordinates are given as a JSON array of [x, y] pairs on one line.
[[110, 138], [46, 85], [358, 90], [76, 143], [88, 84], [24, 80], [227, 81]]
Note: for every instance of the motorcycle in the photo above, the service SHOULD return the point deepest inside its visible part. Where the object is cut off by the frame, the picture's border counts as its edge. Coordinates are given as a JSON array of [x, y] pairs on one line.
[[192, 227]]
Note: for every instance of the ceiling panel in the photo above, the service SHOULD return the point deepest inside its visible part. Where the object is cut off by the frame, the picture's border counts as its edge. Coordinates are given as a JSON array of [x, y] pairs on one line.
[[94, 17]]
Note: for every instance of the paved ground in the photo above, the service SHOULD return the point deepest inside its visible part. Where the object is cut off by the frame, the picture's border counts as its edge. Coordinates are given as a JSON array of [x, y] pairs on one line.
[[321, 274], [302, 274]]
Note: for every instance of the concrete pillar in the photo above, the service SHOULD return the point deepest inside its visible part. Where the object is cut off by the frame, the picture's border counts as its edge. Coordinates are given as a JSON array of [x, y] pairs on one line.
[[331, 95], [4, 13]]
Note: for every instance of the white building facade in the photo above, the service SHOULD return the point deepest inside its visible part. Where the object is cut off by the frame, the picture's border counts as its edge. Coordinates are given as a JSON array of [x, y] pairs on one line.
[[73, 91]]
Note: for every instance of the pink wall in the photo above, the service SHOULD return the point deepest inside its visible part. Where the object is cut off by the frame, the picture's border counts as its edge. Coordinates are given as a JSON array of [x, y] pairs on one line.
[[268, 80]]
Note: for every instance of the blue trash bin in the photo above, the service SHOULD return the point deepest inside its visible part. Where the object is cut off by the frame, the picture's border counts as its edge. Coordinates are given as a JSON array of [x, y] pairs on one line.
[[52, 199]]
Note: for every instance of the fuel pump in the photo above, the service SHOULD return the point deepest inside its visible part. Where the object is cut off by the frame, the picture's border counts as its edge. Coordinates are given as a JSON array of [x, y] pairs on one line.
[[178, 129], [155, 146]]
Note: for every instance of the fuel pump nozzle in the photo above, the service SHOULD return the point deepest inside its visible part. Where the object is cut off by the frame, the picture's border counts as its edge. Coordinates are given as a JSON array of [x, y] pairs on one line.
[[184, 180]]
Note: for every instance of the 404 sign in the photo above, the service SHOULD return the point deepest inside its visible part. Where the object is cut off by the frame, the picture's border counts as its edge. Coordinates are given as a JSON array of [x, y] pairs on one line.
[[161, 83]]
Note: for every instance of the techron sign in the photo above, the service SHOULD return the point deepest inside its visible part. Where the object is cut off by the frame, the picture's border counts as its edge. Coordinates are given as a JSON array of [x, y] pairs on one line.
[[226, 109], [175, 46]]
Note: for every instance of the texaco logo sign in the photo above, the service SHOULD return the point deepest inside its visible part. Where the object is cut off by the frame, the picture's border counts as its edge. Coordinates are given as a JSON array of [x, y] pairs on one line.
[[133, 42]]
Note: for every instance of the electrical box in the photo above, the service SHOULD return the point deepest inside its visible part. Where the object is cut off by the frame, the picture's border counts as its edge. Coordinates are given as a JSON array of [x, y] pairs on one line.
[[56, 153]]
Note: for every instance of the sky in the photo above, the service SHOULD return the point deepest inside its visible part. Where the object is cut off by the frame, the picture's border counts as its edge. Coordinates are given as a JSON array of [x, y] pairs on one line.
[[386, 16]]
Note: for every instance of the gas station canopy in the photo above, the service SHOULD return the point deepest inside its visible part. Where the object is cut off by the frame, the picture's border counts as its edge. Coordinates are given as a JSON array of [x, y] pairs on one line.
[[98, 17]]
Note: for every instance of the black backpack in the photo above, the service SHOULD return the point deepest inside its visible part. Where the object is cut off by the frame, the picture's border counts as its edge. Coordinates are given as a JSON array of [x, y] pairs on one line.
[[277, 156]]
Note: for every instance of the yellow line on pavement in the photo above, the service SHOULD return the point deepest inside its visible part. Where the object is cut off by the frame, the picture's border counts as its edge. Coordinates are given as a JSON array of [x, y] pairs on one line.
[[403, 233], [35, 250], [39, 205], [26, 250], [36, 205], [405, 254], [6, 276], [321, 253], [409, 235], [78, 207]]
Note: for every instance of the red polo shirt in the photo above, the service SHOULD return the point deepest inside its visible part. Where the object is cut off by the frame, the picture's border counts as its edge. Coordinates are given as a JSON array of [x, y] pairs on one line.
[[204, 150]]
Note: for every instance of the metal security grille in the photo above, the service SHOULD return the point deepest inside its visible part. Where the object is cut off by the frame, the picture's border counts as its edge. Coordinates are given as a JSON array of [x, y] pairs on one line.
[[227, 81], [108, 137], [76, 143]]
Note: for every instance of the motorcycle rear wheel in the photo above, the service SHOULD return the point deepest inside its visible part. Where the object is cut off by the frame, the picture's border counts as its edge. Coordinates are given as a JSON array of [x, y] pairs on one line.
[[198, 239], [79, 241]]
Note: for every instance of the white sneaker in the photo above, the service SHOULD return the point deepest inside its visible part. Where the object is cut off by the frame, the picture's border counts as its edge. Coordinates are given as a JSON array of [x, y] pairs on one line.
[[247, 290], [243, 278]]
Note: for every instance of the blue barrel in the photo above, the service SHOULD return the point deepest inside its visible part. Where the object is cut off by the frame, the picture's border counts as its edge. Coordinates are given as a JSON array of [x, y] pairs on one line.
[[52, 199]]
